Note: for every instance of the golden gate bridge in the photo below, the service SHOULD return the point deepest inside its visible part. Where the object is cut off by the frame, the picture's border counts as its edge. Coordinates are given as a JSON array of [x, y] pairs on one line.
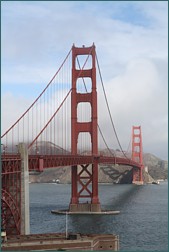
[[61, 128]]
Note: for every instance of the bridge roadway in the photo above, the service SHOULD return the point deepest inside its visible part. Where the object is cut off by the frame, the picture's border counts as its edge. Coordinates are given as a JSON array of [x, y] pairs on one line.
[[40, 162]]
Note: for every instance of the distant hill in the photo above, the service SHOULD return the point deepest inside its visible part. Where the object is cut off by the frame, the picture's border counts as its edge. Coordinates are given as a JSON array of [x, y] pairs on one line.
[[46, 147], [156, 168]]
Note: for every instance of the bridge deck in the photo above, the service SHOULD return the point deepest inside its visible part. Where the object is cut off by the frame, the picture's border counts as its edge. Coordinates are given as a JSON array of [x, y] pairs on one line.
[[40, 162]]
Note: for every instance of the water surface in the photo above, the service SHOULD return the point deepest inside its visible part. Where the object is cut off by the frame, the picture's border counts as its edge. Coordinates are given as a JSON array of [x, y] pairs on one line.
[[142, 224]]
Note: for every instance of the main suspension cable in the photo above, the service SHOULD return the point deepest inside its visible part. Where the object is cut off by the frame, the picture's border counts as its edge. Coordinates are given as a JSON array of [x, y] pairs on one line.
[[105, 96], [101, 133], [38, 96]]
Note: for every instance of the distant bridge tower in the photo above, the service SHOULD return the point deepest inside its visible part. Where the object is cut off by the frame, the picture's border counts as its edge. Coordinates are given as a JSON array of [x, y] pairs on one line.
[[137, 154], [85, 176]]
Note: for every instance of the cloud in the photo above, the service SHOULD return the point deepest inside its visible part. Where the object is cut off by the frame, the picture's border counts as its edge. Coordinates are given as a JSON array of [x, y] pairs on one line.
[[131, 41], [136, 97], [11, 109]]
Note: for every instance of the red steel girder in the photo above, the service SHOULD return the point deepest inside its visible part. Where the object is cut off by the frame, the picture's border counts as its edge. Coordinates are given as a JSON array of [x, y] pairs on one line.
[[49, 161], [11, 193], [84, 178]]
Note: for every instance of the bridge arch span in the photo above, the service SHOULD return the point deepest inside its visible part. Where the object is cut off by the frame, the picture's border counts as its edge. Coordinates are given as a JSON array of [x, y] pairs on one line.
[[10, 214]]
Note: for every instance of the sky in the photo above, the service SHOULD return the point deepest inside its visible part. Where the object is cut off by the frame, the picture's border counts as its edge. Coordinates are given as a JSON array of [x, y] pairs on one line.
[[131, 39]]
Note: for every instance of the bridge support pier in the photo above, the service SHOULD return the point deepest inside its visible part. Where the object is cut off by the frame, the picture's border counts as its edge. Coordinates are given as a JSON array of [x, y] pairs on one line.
[[25, 223], [84, 207]]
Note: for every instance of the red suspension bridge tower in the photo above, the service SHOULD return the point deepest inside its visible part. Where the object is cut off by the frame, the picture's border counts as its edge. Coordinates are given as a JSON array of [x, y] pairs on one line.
[[137, 154], [86, 177]]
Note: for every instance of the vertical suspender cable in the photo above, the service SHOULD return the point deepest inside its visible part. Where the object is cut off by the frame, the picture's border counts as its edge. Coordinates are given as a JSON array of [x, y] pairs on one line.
[[39, 95], [109, 108], [97, 124]]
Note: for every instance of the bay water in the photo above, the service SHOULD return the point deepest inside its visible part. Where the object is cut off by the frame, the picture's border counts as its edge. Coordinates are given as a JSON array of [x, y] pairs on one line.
[[142, 224]]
